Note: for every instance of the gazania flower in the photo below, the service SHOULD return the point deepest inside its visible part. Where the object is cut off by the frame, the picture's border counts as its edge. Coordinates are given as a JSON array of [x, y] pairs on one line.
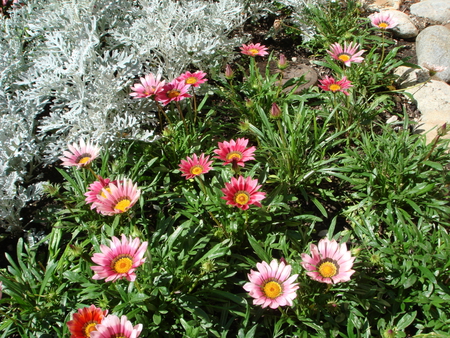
[[119, 260], [173, 91], [195, 166], [115, 327], [348, 54], [272, 285], [383, 20], [150, 86], [235, 152], [329, 263], [254, 49], [330, 84], [242, 192], [117, 197], [80, 155], [193, 79], [95, 190], [433, 69], [83, 323]]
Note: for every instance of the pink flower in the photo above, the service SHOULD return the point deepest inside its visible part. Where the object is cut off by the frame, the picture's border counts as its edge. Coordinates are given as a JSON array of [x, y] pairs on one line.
[[83, 323], [80, 155], [242, 192], [346, 55], [433, 69], [115, 327], [383, 20], [195, 166], [282, 62], [193, 79], [119, 260], [330, 84], [95, 190], [117, 197], [235, 152], [150, 86], [173, 91], [330, 263], [254, 49], [272, 285]]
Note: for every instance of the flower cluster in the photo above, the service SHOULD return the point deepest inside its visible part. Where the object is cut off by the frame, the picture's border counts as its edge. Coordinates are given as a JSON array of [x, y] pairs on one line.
[[272, 285], [241, 192], [153, 87], [93, 322]]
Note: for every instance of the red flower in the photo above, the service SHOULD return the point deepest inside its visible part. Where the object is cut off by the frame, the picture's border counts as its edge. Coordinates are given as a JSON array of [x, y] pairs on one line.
[[242, 192], [84, 322]]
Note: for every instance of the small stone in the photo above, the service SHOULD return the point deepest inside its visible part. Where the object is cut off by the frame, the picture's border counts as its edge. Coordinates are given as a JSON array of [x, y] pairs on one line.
[[392, 119], [405, 28]]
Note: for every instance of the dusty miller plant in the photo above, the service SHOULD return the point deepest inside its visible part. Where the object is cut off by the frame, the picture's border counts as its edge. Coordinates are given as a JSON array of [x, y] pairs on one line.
[[66, 68]]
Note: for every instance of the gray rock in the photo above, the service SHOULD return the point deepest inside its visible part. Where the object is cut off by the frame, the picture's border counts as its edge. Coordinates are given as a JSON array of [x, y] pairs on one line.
[[433, 47], [437, 10], [405, 28]]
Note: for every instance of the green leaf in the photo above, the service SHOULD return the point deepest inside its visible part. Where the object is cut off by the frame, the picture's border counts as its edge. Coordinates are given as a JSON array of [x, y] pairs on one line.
[[406, 320], [260, 252]]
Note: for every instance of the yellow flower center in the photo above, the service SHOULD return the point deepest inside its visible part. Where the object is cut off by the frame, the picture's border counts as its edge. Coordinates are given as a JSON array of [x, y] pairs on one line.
[[344, 57], [196, 170], [334, 87], [173, 93], [242, 197], [122, 263], [328, 269], [191, 80], [253, 51], [383, 25], [103, 194], [123, 205], [82, 159], [88, 328], [272, 289], [234, 155]]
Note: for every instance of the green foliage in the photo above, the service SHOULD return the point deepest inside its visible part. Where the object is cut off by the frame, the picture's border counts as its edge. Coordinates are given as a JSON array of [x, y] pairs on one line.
[[328, 166]]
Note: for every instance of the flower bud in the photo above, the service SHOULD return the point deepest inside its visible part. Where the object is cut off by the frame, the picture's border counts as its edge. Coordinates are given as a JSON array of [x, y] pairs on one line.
[[275, 111], [282, 62], [229, 74], [442, 130]]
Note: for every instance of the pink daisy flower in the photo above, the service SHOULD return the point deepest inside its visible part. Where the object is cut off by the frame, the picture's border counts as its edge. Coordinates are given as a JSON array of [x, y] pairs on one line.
[[347, 54], [193, 79], [272, 285], [242, 192], [235, 152], [329, 263], [95, 190], [433, 69], [119, 260], [117, 197], [383, 20], [150, 86], [254, 49], [83, 323], [80, 155], [173, 91], [115, 327], [330, 84], [195, 166]]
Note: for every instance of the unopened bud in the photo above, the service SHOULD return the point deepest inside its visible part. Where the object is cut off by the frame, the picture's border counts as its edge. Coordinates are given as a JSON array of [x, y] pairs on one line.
[[248, 103], [229, 74], [282, 62], [442, 130], [275, 111], [244, 125]]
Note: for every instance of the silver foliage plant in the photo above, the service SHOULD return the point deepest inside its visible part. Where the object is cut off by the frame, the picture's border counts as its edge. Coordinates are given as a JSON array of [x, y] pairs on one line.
[[66, 67]]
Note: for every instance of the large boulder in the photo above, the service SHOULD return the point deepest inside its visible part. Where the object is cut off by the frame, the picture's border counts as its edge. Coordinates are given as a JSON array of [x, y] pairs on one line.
[[433, 47], [436, 10]]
